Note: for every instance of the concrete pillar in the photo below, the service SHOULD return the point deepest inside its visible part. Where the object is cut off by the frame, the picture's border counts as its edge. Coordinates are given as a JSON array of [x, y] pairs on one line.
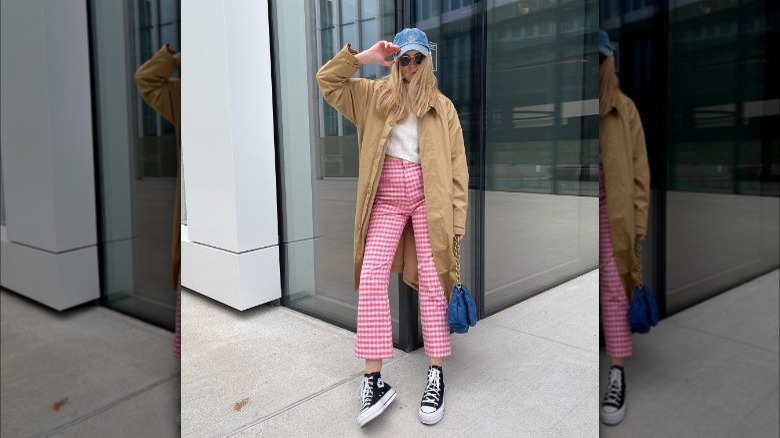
[[230, 245], [49, 243]]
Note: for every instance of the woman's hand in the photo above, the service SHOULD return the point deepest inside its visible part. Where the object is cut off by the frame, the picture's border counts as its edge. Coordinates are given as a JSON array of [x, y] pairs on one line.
[[459, 236], [378, 53]]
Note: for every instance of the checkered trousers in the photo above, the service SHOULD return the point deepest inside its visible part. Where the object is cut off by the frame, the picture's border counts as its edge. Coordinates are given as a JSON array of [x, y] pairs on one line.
[[399, 197], [612, 294]]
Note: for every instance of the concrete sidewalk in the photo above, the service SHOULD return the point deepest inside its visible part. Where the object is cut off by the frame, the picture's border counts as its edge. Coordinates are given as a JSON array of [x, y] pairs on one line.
[[84, 372], [710, 370], [530, 370]]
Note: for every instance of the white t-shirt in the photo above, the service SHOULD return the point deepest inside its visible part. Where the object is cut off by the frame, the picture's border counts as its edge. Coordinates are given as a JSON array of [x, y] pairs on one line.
[[402, 141]]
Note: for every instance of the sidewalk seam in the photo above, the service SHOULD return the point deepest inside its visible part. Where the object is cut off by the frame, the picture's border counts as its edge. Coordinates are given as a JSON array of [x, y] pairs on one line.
[[542, 337], [725, 338], [293, 405], [115, 403]]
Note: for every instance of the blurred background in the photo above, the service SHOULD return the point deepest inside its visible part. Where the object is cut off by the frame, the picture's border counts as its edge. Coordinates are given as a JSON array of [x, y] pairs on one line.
[[88, 186], [88, 169], [703, 75]]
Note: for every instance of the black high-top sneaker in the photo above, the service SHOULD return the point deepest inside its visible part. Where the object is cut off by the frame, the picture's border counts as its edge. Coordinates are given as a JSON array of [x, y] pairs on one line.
[[432, 405], [376, 396], [613, 408]]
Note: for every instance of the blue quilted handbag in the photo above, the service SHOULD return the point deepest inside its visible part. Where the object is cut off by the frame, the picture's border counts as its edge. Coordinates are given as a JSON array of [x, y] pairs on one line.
[[643, 311], [462, 312]]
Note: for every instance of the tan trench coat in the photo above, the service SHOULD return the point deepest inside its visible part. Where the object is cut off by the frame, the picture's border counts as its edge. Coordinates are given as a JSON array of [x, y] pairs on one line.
[[163, 93], [627, 184], [442, 156]]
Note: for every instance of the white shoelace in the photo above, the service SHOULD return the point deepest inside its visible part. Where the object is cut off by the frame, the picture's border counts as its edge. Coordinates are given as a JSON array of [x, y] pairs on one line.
[[612, 397], [432, 390], [366, 391]]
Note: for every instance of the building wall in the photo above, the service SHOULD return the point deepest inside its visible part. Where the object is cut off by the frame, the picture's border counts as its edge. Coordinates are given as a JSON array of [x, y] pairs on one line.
[[230, 246], [49, 239]]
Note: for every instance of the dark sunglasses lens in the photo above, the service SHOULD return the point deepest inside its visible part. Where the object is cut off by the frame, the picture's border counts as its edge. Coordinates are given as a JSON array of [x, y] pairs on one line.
[[406, 59]]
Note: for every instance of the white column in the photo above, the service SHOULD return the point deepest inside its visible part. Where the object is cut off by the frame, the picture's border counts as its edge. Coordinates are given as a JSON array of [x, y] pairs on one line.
[[48, 245], [230, 248]]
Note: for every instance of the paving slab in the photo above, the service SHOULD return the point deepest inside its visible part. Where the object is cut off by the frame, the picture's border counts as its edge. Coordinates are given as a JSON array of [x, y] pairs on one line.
[[563, 314], [691, 377], [238, 367], [151, 413], [493, 382], [297, 376], [61, 368]]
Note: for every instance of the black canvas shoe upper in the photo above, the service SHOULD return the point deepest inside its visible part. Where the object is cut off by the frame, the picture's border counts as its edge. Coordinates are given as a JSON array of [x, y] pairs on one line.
[[372, 389], [616, 389], [433, 396]]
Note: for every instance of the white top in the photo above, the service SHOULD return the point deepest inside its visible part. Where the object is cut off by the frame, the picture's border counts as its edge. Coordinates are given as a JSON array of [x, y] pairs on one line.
[[402, 141]]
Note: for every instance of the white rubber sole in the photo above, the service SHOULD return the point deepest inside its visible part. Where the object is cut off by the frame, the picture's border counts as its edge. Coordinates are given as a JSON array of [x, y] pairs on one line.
[[613, 418], [433, 417], [369, 414]]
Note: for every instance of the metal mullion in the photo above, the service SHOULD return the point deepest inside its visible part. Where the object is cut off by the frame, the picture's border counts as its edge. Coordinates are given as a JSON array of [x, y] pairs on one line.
[[481, 126], [408, 299], [318, 51], [137, 62], [156, 43]]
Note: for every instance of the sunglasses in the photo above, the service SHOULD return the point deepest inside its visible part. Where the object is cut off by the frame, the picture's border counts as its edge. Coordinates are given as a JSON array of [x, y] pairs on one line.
[[406, 59]]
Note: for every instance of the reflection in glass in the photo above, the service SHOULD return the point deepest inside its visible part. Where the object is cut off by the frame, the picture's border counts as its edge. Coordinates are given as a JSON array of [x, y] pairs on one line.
[[318, 151], [713, 135], [540, 134], [137, 160]]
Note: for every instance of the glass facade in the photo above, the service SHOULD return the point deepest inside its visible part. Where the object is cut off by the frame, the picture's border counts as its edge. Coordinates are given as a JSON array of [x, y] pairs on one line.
[[704, 77], [136, 159], [524, 79]]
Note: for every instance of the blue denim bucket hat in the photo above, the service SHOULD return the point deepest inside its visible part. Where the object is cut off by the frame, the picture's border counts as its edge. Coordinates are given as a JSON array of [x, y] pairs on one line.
[[605, 46], [411, 39]]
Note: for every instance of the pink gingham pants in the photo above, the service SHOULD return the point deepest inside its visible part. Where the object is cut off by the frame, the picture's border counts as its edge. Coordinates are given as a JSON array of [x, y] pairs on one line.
[[612, 295], [399, 197]]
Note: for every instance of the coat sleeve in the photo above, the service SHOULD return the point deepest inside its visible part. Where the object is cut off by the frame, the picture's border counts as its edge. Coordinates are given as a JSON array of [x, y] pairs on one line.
[[641, 173], [157, 87], [460, 174], [349, 96]]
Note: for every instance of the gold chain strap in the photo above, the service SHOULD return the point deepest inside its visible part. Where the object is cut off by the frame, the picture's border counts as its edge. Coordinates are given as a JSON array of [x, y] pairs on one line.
[[638, 254], [456, 251]]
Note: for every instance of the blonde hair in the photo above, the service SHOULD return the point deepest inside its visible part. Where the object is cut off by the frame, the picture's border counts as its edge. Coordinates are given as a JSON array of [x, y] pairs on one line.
[[400, 99], [609, 87]]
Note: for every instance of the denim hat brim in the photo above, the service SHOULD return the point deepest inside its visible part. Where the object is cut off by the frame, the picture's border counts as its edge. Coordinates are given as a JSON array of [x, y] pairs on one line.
[[414, 46], [605, 45]]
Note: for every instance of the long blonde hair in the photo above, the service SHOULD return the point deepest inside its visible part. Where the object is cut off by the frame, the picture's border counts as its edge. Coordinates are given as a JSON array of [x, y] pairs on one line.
[[400, 98], [609, 87]]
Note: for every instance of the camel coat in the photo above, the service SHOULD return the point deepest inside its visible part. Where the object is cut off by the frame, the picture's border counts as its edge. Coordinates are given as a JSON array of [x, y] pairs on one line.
[[163, 94], [626, 182], [442, 156]]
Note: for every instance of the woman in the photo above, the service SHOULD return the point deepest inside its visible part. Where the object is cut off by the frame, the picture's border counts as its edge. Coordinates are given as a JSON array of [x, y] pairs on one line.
[[624, 186], [408, 132]]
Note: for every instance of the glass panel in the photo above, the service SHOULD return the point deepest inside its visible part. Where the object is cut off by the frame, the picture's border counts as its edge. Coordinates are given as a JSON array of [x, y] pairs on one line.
[[723, 143], [319, 163], [541, 132], [137, 166], [541, 147], [168, 11], [703, 78], [347, 11]]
